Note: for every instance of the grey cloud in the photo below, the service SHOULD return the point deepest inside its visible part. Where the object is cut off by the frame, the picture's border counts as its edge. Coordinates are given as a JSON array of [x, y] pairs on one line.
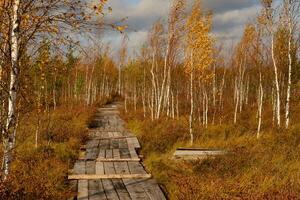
[[230, 16], [220, 6]]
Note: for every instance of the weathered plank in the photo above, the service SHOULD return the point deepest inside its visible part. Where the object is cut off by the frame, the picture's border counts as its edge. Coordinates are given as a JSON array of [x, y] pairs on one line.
[[197, 153], [99, 168], [116, 154], [134, 187], [123, 144], [79, 167], [104, 144], [121, 168], [112, 137], [83, 192], [136, 168], [135, 190], [114, 143], [108, 176], [118, 159], [133, 142], [109, 189], [153, 190], [101, 154], [108, 153], [121, 189], [90, 167], [124, 153], [108, 184]]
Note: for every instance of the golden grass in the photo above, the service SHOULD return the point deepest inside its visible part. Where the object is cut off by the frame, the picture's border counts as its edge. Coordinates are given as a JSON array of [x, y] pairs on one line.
[[268, 168]]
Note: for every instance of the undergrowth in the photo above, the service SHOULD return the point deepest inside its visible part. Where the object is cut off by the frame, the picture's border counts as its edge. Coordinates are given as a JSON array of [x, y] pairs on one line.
[[41, 173], [265, 168]]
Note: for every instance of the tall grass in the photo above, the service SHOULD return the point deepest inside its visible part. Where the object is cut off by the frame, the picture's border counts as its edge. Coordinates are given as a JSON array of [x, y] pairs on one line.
[[41, 173], [268, 168]]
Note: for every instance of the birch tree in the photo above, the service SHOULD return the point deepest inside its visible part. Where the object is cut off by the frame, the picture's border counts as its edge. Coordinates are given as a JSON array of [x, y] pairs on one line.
[[291, 10], [270, 23], [13, 88], [199, 51]]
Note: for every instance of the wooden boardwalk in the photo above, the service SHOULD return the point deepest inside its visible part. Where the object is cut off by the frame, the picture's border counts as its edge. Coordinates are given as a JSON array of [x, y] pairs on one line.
[[111, 168]]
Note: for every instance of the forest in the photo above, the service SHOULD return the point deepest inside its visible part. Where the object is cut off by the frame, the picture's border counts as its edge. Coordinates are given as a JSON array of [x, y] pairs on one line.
[[183, 87]]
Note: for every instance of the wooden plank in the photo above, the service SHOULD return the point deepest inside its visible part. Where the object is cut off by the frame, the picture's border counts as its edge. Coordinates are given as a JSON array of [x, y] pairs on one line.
[[104, 144], [73, 187], [99, 168], [108, 184], [118, 185], [150, 188], [117, 134], [93, 189], [121, 189], [109, 189], [92, 154], [79, 167], [123, 144], [191, 154], [198, 152], [118, 160], [92, 144], [133, 142], [109, 168], [108, 153], [135, 190], [124, 153], [108, 176], [121, 168], [136, 168], [101, 154], [114, 143], [90, 167], [110, 138], [116, 154], [83, 192], [153, 190], [133, 153]]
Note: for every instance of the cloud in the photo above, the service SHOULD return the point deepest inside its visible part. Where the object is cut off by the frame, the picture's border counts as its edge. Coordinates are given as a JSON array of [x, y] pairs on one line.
[[230, 16]]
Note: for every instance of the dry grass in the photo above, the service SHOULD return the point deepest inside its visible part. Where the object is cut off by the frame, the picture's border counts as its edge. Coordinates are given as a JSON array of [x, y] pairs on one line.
[[41, 173], [268, 168]]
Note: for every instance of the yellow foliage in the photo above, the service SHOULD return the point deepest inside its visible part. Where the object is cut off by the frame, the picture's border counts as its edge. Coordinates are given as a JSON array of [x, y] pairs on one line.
[[199, 42]]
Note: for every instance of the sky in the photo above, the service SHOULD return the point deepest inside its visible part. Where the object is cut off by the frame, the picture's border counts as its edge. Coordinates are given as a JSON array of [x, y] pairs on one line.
[[230, 18]]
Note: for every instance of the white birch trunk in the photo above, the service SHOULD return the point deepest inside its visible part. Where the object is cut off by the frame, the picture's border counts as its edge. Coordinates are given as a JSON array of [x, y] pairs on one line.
[[288, 95], [13, 88], [191, 101], [260, 105], [277, 100]]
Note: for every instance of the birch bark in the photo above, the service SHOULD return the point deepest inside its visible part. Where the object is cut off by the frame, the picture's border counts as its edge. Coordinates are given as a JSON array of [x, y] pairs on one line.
[[8, 139]]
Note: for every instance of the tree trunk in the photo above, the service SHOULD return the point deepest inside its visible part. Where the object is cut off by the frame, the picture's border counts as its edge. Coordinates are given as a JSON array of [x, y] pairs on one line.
[[119, 80], [260, 105], [13, 89], [237, 100], [89, 97], [277, 100], [221, 96], [288, 95], [192, 101], [214, 94]]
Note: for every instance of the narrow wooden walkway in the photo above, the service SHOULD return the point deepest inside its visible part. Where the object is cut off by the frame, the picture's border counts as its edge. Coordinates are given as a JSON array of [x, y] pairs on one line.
[[111, 168]]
